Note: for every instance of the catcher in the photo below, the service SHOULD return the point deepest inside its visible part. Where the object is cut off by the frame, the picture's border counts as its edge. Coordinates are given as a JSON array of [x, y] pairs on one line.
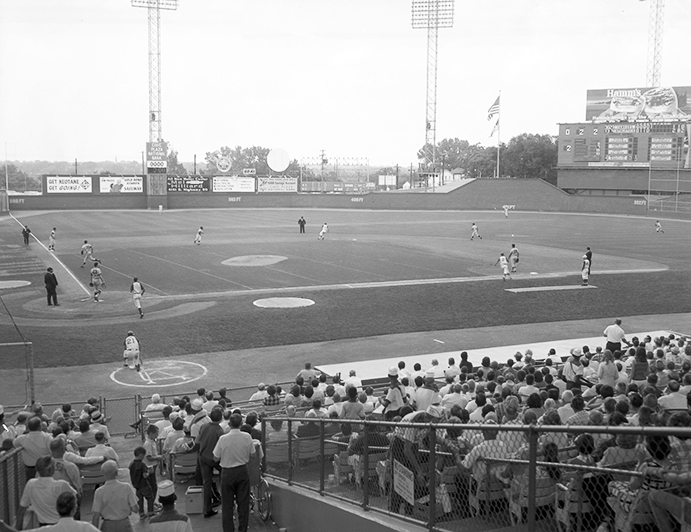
[[131, 354]]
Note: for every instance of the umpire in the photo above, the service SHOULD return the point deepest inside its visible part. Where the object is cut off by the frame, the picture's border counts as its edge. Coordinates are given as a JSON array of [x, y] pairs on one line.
[[51, 287]]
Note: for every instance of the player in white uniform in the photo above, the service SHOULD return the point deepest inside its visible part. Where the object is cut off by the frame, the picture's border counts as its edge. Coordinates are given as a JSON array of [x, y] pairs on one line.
[[506, 210], [51, 240], [325, 229], [88, 252], [658, 227], [504, 263], [137, 290], [198, 238], [513, 257], [97, 282], [131, 355], [585, 270], [474, 232]]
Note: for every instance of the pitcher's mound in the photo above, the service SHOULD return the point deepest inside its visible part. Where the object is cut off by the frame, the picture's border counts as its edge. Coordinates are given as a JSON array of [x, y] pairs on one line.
[[283, 302], [254, 260]]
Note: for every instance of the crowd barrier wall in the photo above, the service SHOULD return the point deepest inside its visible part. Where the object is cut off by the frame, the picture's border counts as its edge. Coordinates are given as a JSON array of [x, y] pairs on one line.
[[439, 495], [480, 194]]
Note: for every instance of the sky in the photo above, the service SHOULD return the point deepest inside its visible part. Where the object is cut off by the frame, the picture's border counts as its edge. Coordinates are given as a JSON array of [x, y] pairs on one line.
[[344, 76]]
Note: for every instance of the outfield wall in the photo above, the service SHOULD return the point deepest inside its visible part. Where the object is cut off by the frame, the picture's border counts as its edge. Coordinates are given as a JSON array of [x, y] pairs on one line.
[[481, 194]]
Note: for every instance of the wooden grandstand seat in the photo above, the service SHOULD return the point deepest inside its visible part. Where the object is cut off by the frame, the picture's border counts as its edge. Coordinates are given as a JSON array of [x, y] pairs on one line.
[[545, 488], [360, 474], [182, 464], [91, 475], [488, 490], [571, 505], [342, 469], [277, 454], [639, 515]]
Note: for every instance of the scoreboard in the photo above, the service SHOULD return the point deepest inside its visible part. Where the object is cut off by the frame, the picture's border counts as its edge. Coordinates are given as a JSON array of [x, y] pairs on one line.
[[641, 143]]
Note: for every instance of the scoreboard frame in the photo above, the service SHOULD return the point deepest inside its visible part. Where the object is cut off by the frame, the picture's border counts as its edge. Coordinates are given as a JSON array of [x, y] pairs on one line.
[[635, 144]]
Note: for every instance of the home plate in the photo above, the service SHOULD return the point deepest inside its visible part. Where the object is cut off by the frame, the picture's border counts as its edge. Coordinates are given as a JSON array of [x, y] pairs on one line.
[[283, 302], [549, 288]]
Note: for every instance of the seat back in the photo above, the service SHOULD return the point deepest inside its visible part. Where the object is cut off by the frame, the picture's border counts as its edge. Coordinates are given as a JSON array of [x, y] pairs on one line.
[[182, 464], [91, 475], [277, 453]]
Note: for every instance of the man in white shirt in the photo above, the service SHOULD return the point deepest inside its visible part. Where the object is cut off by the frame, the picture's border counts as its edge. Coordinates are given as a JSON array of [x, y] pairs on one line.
[[353, 380], [453, 370], [101, 449], [673, 400], [615, 336], [260, 394], [490, 448], [565, 411], [41, 493], [454, 398]]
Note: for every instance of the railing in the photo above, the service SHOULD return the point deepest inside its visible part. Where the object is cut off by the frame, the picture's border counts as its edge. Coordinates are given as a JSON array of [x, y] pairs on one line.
[[418, 476]]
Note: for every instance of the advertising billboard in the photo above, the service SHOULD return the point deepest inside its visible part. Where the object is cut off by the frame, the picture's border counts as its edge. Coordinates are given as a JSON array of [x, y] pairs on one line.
[[638, 103], [277, 184], [157, 155], [121, 184], [233, 183], [184, 183], [68, 185]]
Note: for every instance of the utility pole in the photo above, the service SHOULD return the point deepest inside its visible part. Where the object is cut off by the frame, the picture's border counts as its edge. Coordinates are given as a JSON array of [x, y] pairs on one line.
[[75, 167], [195, 164]]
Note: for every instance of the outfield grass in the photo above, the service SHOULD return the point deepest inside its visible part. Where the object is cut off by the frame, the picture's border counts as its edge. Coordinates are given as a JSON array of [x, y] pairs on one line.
[[200, 305]]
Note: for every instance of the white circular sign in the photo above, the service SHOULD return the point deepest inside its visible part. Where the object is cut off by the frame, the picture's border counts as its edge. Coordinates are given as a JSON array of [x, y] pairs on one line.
[[278, 159], [223, 164]]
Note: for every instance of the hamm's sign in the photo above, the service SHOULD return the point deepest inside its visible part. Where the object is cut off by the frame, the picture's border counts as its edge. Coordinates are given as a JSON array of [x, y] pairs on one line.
[[68, 185], [660, 104]]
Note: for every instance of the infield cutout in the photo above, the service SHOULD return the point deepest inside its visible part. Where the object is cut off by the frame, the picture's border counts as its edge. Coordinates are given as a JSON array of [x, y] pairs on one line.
[[283, 302], [160, 374], [13, 284], [254, 260]]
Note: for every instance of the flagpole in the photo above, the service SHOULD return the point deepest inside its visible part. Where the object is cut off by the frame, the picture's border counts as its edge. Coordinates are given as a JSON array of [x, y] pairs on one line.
[[498, 134]]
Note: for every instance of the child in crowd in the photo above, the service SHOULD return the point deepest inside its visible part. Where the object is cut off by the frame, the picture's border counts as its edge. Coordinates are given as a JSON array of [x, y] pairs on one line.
[[140, 478]]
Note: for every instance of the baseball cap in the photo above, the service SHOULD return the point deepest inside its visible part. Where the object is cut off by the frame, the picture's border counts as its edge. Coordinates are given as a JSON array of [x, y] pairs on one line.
[[261, 386], [197, 403], [393, 371], [166, 488]]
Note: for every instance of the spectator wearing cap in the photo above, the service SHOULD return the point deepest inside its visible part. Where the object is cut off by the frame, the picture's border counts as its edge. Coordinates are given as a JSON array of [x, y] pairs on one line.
[[394, 399], [353, 380], [42, 493], [101, 449], [156, 404], [34, 444], [113, 502], [573, 370], [427, 394], [98, 421], [209, 402], [198, 417], [261, 393], [169, 519]]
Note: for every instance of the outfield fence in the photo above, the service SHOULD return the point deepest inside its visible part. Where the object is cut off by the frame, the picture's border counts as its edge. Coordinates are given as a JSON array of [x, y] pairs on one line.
[[416, 471]]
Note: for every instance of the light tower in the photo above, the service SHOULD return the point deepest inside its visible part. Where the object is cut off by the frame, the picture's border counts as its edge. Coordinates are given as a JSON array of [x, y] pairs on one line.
[[432, 15], [656, 23], [154, 7]]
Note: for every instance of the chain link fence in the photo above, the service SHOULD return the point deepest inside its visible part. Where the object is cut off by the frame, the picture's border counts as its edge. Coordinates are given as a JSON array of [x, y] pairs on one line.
[[12, 480], [459, 477]]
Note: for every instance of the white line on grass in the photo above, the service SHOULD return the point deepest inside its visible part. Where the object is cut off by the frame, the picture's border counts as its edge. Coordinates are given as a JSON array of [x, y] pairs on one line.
[[55, 258], [148, 285]]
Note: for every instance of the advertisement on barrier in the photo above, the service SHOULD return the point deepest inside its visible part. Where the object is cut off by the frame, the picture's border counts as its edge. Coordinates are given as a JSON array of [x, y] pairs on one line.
[[638, 103], [277, 184], [233, 183], [68, 185], [121, 184], [185, 183]]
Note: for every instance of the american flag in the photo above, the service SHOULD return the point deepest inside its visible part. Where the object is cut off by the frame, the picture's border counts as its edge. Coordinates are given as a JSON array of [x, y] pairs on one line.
[[494, 109]]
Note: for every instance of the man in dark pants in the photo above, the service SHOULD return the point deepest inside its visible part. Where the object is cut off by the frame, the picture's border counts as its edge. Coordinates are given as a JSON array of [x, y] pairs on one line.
[[51, 287], [209, 435], [301, 223], [589, 255], [25, 233], [234, 451]]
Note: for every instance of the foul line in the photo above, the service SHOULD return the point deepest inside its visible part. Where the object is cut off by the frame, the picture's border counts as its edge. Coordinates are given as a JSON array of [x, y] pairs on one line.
[[388, 284], [55, 258], [550, 288]]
